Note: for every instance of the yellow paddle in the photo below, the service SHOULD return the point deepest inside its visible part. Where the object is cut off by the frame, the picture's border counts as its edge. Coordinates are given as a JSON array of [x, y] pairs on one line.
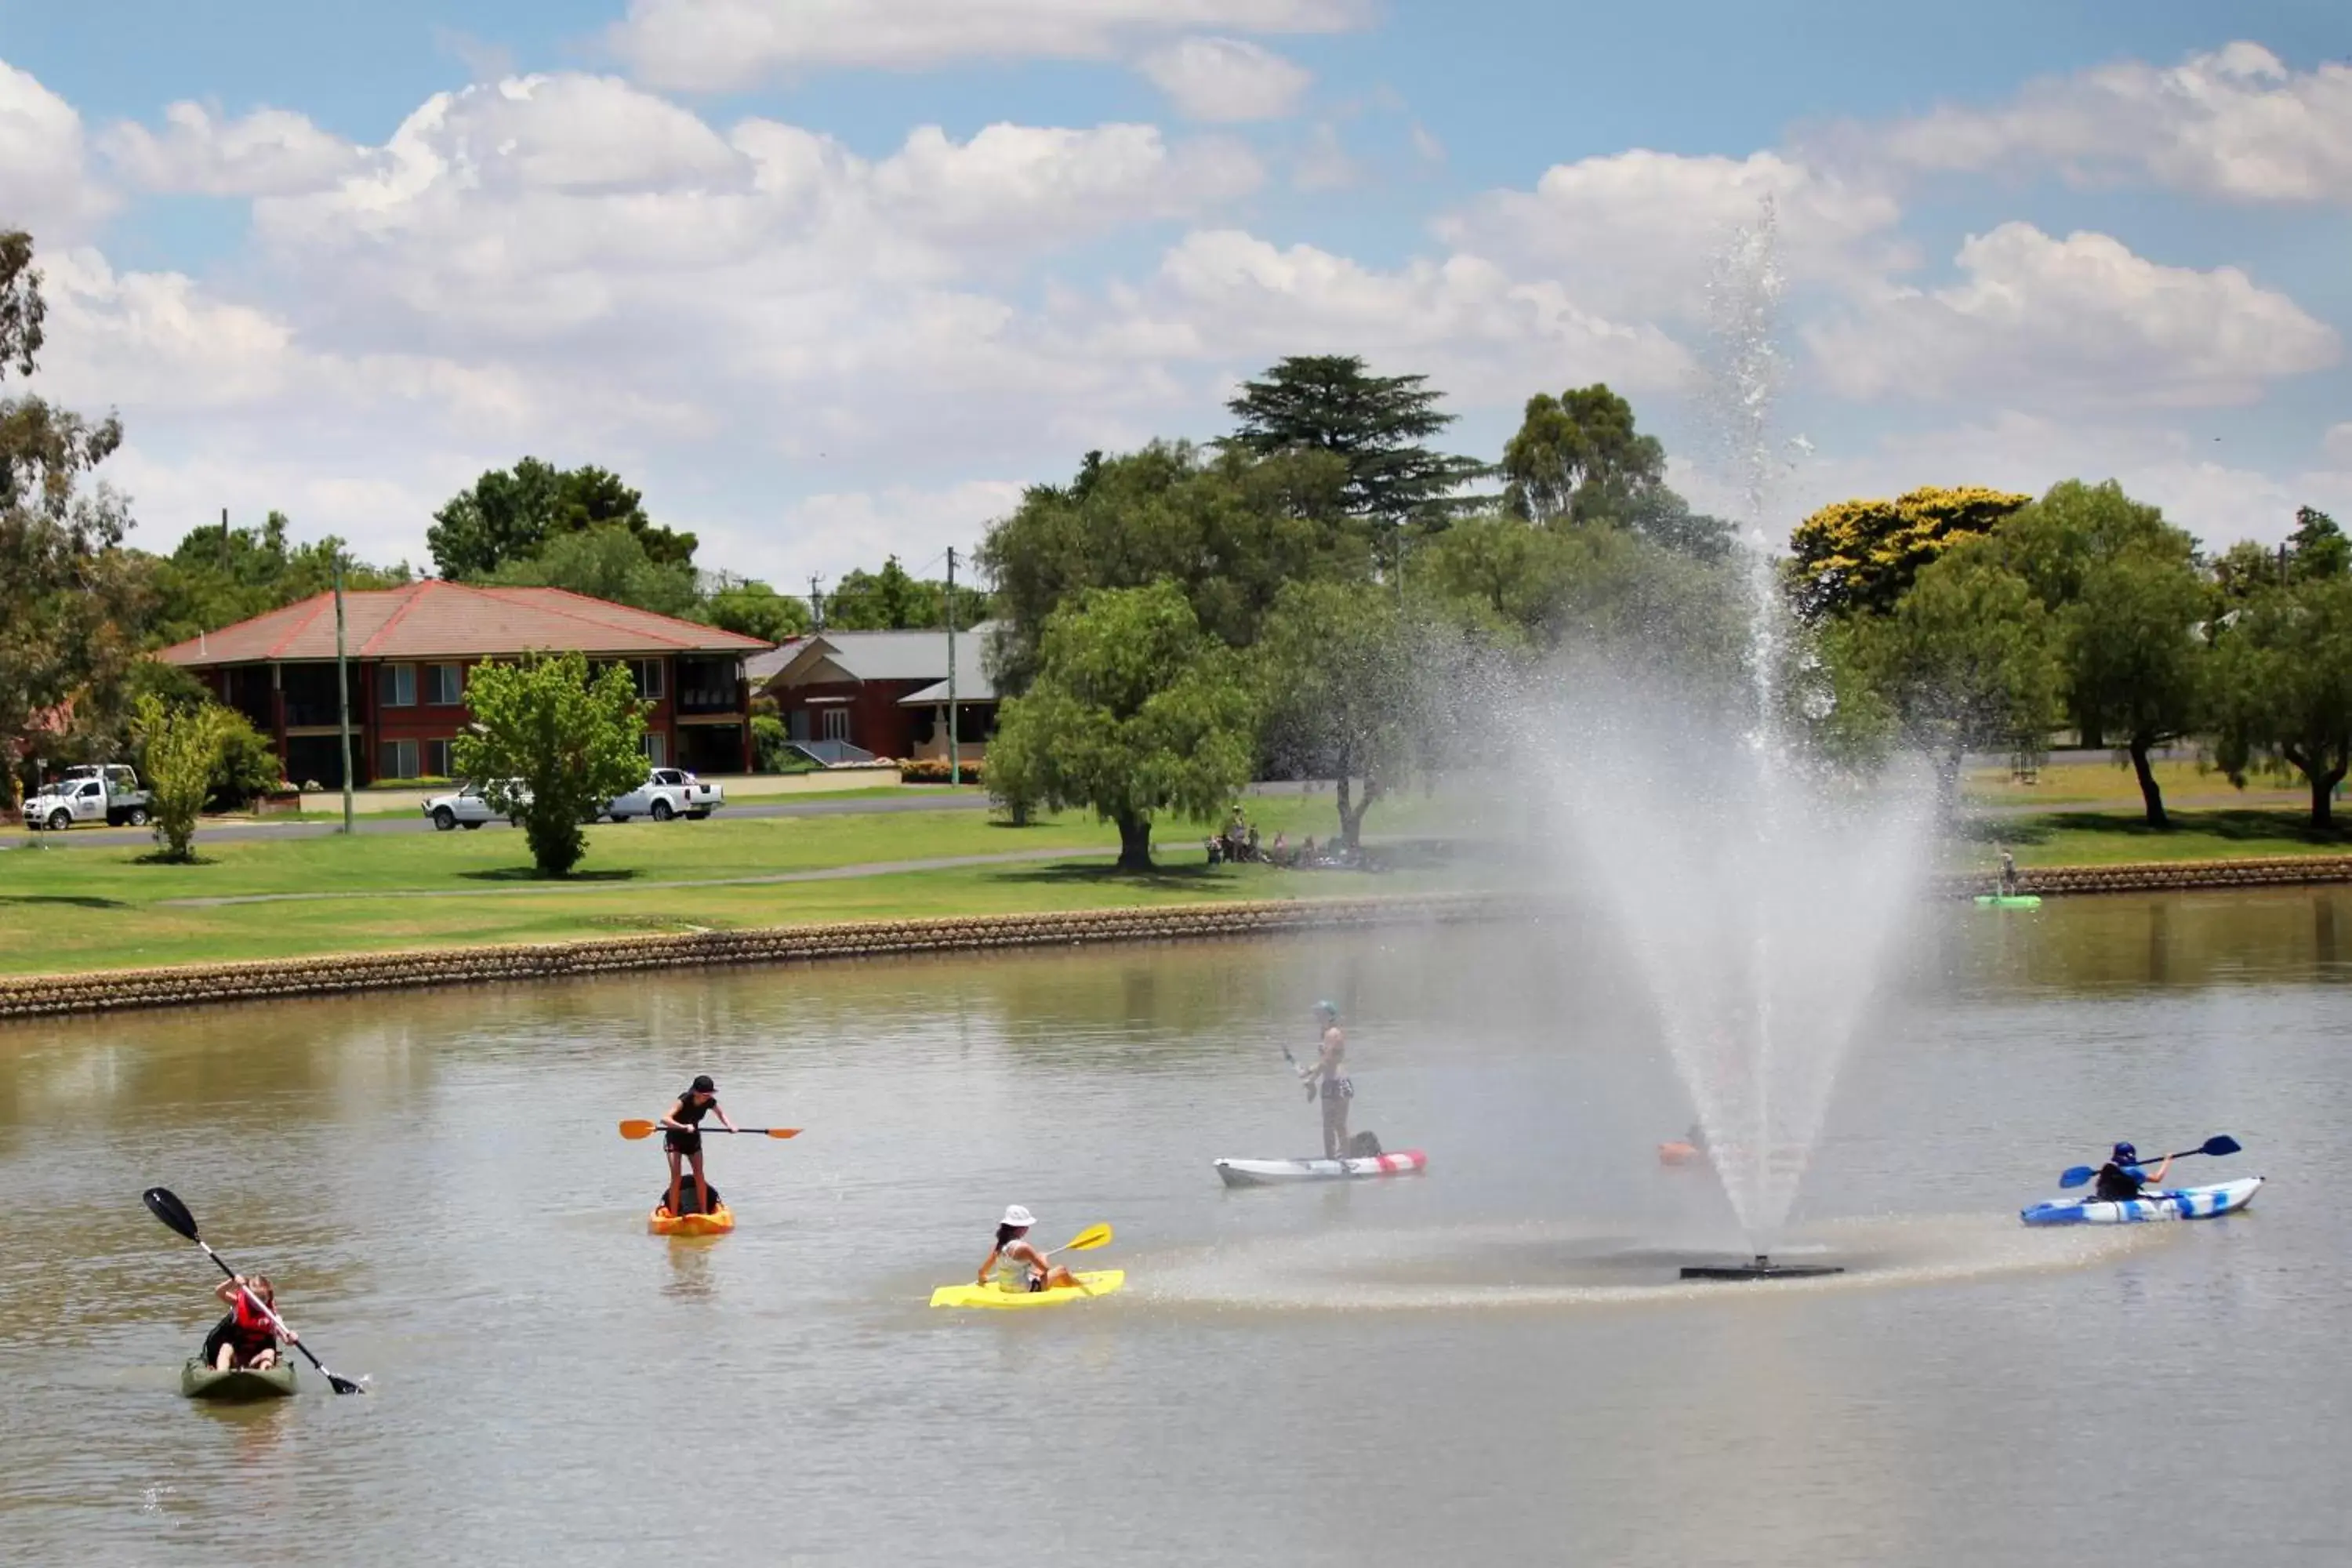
[[1087, 1240], [639, 1129]]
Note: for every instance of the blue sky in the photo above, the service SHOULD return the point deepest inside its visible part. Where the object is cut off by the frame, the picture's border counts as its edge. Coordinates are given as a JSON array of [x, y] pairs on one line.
[[713, 245]]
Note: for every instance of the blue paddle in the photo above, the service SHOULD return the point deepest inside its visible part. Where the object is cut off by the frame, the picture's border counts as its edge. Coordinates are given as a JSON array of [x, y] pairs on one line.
[[2220, 1143]]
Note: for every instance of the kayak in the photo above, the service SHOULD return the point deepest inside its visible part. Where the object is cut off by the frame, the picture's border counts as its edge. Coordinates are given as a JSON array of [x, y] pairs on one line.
[[201, 1380], [2009, 901], [1265, 1173], [1679, 1154], [718, 1222], [1097, 1282], [2165, 1203]]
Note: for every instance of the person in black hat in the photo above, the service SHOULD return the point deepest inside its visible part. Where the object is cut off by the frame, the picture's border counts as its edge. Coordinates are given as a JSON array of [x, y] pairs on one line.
[[682, 1140]]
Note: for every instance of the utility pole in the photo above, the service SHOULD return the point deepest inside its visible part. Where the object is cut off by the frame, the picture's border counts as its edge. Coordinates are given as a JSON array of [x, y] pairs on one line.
[[223, 539], [816, 601], [955, 755], [343, 692]]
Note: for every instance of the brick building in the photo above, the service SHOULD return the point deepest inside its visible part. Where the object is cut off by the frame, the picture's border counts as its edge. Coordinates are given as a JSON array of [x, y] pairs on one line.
[[881, 694], [408, 651]]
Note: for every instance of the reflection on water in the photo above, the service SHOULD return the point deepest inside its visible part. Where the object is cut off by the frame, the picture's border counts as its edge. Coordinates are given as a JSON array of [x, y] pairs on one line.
[[434, 1182]]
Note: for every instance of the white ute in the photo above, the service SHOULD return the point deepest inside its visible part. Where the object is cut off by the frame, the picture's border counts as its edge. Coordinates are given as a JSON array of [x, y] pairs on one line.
[[668, 793], [109, 794]]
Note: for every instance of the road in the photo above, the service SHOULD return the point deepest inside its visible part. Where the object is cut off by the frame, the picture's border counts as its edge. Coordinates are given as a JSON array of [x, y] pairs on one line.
[[403, 822]]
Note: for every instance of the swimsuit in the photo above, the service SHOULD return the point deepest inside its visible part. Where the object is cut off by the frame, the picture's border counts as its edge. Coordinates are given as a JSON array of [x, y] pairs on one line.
[[692, 1114]]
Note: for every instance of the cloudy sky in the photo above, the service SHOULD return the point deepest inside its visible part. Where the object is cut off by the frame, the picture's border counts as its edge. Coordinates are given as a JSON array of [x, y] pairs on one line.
[[830, 279]]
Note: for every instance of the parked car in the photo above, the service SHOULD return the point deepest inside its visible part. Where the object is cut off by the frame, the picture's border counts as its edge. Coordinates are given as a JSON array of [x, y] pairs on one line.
[[109, 795], [469, 808], [668, 793]]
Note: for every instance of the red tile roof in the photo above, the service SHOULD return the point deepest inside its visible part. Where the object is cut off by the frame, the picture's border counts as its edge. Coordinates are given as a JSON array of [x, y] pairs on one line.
[[432, 619]]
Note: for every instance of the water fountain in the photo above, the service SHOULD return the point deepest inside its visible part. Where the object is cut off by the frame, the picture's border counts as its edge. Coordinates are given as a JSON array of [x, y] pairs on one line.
[[1759, 894]]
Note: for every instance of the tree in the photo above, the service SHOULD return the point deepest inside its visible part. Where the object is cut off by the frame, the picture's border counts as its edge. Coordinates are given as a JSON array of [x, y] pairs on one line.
[[1341, 667], [1229, 528], [2281, 686], [1578, 459], [607, 563], [1863, 555], [891, 600], [2128, 598], [1135, 710], [1374, 424], [553, 746], [70, 604], [511, 515], [1967, 659], [753, 609], [181, 749], [218, 577], [2318, 548]]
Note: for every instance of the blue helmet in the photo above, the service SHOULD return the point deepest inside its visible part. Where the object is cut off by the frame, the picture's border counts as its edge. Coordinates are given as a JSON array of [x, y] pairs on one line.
[[2125, 1155]]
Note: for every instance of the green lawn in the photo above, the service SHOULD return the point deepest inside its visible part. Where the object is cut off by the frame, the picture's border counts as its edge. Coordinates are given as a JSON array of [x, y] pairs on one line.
[[67, 908], [2116, 838], [2103, 783]]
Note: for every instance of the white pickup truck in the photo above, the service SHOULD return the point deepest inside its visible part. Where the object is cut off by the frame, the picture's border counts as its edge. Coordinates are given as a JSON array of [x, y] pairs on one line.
[[668, 793], [109, 795]]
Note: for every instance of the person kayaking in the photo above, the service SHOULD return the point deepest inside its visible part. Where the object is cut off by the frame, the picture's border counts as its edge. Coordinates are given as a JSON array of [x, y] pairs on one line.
[[2121, 1179], [1328, 1080], [682, 1138], [249, 1336], [1015, 1266]]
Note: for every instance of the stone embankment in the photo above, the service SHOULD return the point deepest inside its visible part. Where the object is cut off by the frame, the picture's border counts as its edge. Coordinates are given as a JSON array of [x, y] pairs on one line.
[[111, 990], [2169, 877], [189, 985]]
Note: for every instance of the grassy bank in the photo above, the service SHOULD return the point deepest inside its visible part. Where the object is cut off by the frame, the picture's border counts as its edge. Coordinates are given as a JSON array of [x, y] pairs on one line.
[[69, 909], [2117, 837]]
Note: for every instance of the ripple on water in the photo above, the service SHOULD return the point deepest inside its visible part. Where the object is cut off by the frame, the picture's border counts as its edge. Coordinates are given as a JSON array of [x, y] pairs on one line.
[[1550, 1266]]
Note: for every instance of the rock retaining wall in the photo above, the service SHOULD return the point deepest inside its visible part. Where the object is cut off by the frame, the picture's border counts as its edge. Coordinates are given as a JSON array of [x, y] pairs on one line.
[[110, 990], [2168, 877]]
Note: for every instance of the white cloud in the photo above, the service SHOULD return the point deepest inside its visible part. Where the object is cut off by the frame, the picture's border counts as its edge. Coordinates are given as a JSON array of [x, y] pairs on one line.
[[836, 531], [1225, 80], [2337, 444], [270, 152], [2234, 123], [2051, 319], [1639, 230], [1324, 164], [45, 187], [707, 44]]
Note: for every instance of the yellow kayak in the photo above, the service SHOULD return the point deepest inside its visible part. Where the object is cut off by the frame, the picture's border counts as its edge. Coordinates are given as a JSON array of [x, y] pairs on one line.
[[719, 1222], [1099, 1282]]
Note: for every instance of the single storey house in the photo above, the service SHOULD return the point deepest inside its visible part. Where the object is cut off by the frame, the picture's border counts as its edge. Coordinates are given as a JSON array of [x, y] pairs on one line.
[[409, 651], [849, 696]]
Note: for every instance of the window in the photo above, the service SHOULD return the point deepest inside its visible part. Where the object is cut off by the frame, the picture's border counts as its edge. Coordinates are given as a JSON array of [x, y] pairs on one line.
[[396, 759], [444, 685], [656, 748], [436, 754], [836, 723], [647, 674], [396, 687]]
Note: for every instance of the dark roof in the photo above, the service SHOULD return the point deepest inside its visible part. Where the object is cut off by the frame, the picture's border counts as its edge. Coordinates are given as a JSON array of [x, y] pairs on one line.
[[887, 655], [434, 619]]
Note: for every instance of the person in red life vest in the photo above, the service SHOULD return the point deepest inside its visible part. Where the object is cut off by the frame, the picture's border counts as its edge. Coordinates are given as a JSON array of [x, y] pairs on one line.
[[249, 1336], [682, 1138]]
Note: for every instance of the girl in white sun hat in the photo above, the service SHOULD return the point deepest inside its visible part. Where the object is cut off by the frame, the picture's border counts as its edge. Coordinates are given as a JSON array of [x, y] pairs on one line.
[[1014, 1265]]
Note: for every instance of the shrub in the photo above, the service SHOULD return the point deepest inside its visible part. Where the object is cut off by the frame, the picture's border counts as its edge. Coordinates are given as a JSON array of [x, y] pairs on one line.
[[934, 770]]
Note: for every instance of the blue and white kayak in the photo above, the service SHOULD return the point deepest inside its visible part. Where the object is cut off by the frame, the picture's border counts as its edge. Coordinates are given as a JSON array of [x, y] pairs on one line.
[[2165, 1203]]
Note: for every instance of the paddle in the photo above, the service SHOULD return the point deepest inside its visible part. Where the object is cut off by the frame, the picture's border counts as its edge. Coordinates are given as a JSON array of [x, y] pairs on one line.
[[163, 1205], [1087, 1240], [1296, 1069], [2220, 1143], [637, 1129]]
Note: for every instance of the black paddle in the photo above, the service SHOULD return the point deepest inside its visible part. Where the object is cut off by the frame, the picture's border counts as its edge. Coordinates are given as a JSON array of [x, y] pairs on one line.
[[1295, 1069], [165, 1206], [2220, 1143]]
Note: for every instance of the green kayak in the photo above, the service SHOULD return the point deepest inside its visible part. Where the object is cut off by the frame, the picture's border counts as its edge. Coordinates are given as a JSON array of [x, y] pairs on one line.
[[201, 1380], [2009, 901]]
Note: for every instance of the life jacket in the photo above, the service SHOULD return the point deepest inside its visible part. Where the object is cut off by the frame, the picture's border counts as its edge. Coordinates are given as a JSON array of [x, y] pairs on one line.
[[250, 1327], [2117, 1183]]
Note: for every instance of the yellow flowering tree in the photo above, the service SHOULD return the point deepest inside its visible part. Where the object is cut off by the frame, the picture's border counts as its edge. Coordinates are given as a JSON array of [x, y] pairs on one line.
[[1858, 556]]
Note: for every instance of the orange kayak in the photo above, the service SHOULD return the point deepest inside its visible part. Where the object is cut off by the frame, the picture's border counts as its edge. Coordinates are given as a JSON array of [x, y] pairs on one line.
[[719, 1222]]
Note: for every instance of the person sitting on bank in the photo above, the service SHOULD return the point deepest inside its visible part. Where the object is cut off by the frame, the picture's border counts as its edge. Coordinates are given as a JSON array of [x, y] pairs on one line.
[[1012, 1263], [2121, 1178], [1280, 854], [249, 1336], [682, 1138]]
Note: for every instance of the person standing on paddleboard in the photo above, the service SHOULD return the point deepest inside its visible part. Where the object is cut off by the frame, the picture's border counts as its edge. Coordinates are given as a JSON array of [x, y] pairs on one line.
[[1014, 1265], [1328, 1080], [682, 1138], [2007, 872], [2121, 1179]]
